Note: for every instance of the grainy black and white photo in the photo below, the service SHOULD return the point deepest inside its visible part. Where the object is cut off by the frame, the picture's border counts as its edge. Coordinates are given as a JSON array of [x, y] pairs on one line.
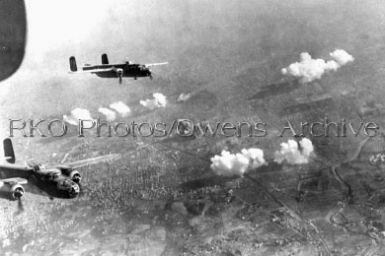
[[194, 127]]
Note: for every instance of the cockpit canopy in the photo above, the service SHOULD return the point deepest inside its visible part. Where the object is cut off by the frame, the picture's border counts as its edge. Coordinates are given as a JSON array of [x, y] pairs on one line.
[[54, 173], [65, 170]]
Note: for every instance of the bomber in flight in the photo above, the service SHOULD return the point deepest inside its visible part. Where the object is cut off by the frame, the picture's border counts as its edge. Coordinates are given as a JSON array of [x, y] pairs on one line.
[[117, 70], [61, 181]]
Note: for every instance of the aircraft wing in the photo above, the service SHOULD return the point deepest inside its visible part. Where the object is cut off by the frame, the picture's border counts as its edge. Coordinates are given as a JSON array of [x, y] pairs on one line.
[[155, 64], [94, 160], [15, 167], [15, 180], [9, 171]]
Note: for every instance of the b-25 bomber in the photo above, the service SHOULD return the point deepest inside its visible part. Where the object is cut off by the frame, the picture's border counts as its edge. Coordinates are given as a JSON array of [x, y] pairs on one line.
[[117, 70], [60, 181]]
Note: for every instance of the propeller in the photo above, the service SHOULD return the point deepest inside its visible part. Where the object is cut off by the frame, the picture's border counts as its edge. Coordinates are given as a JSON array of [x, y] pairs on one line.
[[20, 206], [82, 188], [18, 194], [119, 71]]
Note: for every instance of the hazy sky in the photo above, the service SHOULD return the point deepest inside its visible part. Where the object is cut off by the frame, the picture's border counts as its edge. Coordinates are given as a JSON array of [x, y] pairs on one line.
[[57, 26], [54, 28], [60, 28]]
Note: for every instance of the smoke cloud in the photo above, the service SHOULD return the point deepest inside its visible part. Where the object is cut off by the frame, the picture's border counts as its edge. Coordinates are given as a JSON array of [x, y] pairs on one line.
[[294, 152], [227, 164], [183, 97], [110, 114], [341, 57], [76, 114], [309, 69], [121, 108], [158, 101]]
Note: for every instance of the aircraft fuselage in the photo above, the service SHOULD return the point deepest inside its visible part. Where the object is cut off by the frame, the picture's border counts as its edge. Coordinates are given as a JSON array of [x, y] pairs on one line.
[[52, 181], [128, 70], [59, 186]]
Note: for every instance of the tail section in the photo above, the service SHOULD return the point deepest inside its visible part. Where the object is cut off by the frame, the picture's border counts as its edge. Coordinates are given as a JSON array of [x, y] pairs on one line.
[[9, 153], [73, 65], [105, 59]]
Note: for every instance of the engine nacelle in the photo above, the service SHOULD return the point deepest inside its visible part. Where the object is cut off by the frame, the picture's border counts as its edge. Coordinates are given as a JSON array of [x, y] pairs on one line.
[[16, 191], [75, 176], [71, 173]]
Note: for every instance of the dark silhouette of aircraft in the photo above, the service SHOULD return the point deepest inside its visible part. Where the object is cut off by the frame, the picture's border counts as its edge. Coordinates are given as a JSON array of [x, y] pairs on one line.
[[13, 31], [61, 181], [119, 70]]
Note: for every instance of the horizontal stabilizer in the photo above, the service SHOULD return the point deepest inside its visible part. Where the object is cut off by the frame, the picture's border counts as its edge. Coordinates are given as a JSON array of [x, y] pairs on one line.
[[94, 71]]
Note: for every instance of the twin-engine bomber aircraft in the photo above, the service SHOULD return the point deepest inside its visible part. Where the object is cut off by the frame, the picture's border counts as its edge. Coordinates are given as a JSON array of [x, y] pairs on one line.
[[61, 181], [119, 70]]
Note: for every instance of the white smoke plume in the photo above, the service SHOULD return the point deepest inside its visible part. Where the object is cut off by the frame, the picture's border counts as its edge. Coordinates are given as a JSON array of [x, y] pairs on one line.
[[183, 97], [227, 164], [121, 108], [294, 152], [309, 69], [158, 101], [341, 57], [76, 114], [110, 114]]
